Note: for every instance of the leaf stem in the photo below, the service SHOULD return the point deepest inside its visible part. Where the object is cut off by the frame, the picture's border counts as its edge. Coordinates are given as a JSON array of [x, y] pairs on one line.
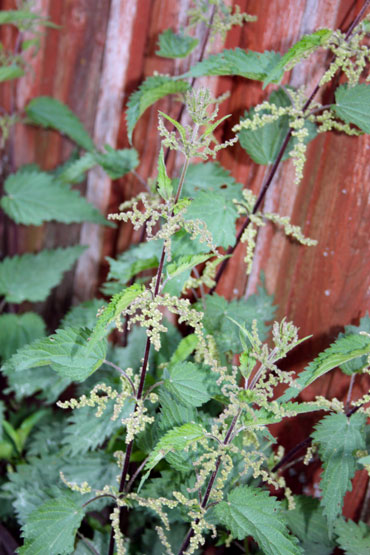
[[87, 543], [123, 374]]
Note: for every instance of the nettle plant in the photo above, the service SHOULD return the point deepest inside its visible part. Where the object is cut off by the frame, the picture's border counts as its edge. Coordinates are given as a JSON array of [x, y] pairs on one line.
[[162, 445]]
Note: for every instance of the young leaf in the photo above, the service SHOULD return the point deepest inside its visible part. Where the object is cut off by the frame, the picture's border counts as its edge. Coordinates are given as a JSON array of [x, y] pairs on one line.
[[250, 511], [164, 182], [10, 72], [52, 527], [249, 64], [67, 352], [338, 439], [175, 45], [73, 171], [352, 105], [118, 303], [343, 350], [187, 382], [307, 522], [140, 257], [175, 440], [34, 197], [263, 144], [184, 349], [51, 113], [180, 128], [211, 176], [43, 270], [17, 330], [352, 537], [186, 263], [151, 90], [218, 213], [117, 162], [306, 45]]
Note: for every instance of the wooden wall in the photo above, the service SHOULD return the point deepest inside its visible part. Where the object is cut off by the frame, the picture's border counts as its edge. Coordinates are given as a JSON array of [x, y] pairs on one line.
[[100, 54]]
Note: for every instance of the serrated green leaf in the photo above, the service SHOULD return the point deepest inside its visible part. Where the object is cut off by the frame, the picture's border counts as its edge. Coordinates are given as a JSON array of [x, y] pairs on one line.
[[263, 144], [357, 364], [352, 537], [151, 90], [42, 380], [218, 213], [10, 72], [17, 330], [173, 413], [51, 529], [184, 349], [343, 350], [187, 382], [175, 45], [35, 197], [307, 522], [246, 63], [352, 105], [83, 315], [306, 45], [136, 259], [51, 113], [16, 16], [116, 163], [174, 440], [250, 511], [338, 438], [164, 183], [73, 171], [118, 303], [67, 352], [211, 176], [184, 263], [43, 270]]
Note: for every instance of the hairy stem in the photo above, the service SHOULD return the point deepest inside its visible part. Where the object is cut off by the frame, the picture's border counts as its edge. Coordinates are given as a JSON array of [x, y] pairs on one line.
[[276, 164]]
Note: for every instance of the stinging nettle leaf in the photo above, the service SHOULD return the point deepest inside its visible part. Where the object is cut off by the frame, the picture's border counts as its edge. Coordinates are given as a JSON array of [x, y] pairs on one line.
[[164, 182], [345, 349], [338, 438], [306, 45], [353, 537], [51, 113], [187, 382], [17, 330], [51, 529], [357, 364], [16, 16], [246, 63], [10, 72], [34, 197], [67, 352], [116, 163], [250, 511], [43, 270], [151, 90], [352, 105], [175, 45]]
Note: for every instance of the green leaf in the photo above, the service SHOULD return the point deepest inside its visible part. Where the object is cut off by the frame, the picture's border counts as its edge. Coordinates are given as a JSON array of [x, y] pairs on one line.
[[364, 460], [263, 144], [17, 330], [83, 315], [51, 113], [307, 522], [164, 182], [211, 176], [343, 350], [175, 45], [73, 171], [352, 105], [10, 72], [174, 440], [338, 439], [17, 16], [306, 45], [173, 413], [51, 529], [250, 511], [42, 380], [151, 90], [140, 257], [34, 197], [67, 352], [187, 382], [185, 263], [218, 213], [118, 303], [352, 537], [184, 349], [246, 63], [43, 270], [357, 364], [117, 163]]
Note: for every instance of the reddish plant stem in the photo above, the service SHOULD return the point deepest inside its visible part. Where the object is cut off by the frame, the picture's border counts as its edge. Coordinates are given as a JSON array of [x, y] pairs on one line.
[[276, 164]]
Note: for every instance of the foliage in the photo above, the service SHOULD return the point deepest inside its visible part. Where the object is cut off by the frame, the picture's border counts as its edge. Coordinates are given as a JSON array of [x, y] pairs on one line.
[[171, 423]]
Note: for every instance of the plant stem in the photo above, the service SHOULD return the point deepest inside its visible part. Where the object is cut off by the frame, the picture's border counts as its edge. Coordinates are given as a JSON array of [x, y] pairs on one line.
[[211, 482], [144, 368], [276, 164], [87, 543], [108, 363]]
